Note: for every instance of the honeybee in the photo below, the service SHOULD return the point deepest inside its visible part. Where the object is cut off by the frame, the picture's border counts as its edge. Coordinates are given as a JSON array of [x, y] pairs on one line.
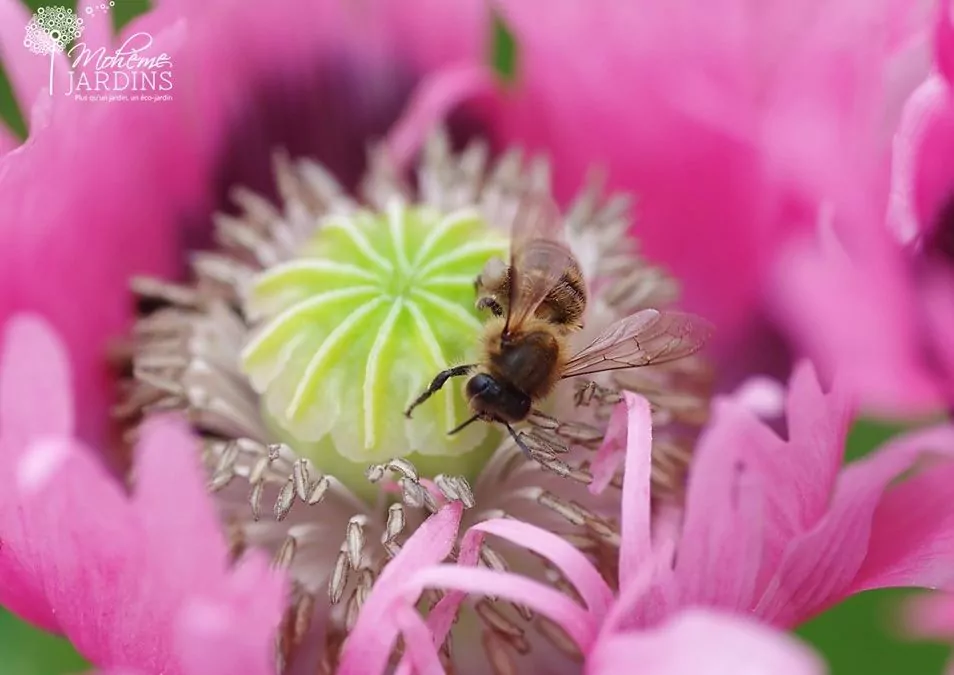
[[537, 303]]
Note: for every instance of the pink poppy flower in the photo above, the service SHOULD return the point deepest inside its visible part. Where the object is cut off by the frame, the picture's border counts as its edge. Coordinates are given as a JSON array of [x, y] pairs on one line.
[[772, 528], [877, 301], [133, 581]]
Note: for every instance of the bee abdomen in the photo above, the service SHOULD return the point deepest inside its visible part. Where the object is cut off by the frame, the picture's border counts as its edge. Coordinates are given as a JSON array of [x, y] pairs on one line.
[[565, 304]]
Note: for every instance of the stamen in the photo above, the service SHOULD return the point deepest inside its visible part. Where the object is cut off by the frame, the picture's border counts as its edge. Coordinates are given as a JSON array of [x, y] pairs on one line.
[[339, 576], [498, 654], [557, 637], [355, 540], [496, 621]]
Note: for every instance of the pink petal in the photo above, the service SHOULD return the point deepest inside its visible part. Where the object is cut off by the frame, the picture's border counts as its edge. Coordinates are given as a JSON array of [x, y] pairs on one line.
[[751, 492], [636, 538], [577, 569], [858, 315], [804, 473], [829, 561], [927, 128], [944, 41], [167, 458], [912, 531], [8, 140], [937, 295], [369, 643], [431, 103], [699, 641], [579, 625], [82, 567], [912, 204], [719, 554], [650, 595], [764, 396], [441, 618], [419, 641], [35, 396], [235, 631], [612, 453]]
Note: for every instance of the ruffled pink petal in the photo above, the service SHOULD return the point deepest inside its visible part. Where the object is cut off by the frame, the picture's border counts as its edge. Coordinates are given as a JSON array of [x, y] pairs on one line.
[[635, 535], [35, 403], [35, 396], [763, 396], [751, 492], [56, 570], [84, 566], [937, 296], [577, 569], [442, 617], [579, 624], [8, 140], [825, 564], [234, 631], [612, 452], [431, 103], [944, 40], [912, 532], [914, 197], [419, 642], [856, 312], [698, 641], [167, 458], [79, 556], [719, 555], [928, 127], [803, 474], [369, 643]]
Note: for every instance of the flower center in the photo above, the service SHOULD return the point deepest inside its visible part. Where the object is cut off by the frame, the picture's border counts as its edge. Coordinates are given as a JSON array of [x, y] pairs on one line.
[[351, 330]]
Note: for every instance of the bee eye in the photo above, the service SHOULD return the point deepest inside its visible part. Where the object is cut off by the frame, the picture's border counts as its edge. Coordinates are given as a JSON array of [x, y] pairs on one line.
[[480, 385]]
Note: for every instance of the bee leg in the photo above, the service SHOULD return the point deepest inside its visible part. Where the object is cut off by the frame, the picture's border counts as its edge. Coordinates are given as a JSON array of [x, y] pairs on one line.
[[516, 439], [462, 425], [438, 382], [490, 303]]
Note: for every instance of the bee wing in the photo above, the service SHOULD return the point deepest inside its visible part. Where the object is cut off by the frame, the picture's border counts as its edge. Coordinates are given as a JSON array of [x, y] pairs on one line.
[[538, 256], [648, 337]]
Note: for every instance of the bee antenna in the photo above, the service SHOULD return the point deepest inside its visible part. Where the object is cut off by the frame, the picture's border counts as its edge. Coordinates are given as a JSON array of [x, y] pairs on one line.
[[463, 424]]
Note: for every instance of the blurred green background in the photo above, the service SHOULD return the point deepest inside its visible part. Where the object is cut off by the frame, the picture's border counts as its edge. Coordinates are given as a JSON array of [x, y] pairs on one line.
[[857, 637]]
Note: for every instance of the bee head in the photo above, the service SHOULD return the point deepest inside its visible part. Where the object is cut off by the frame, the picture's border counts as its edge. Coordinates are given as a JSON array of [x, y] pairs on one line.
[[493, 400], [482, 386]]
